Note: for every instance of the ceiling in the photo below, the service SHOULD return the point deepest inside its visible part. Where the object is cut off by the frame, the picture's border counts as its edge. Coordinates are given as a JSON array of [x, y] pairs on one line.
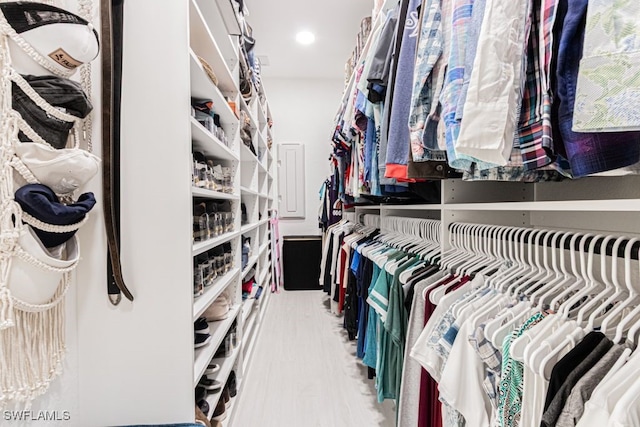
[[335, 24]]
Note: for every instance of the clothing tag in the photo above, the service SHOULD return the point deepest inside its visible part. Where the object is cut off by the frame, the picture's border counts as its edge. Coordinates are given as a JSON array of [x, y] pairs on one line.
[[64, 59]]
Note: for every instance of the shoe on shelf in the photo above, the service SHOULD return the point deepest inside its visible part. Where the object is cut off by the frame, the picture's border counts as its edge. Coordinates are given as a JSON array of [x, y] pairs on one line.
[[218, 310], [201, 326], [226, 396], [201, 393], [220, 413], [212, 386], [201, 418], [244, 218], [204, 406], [212, 369], [232, 383], [201, 340]]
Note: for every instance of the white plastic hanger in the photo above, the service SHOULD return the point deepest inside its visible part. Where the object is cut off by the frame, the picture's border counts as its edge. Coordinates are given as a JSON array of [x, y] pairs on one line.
[[519, 317], [592, 283], [462, 244], [553, 288], [439, 293], [549, 361], [635, 328], [474, 251], [538, 271], [497, 236], [531, 267], [497, 245], [595, 319], [632, 296], [509, 254], [552, 273], [633, 293], [519, 259], [577, 280], [542, 344], [542, 329], [590, 286]]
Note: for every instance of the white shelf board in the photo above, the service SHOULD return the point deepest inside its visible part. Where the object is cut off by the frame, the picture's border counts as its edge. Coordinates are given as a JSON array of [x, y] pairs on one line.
[[263, 221], [203, 44], [262, 116], [263, 302], [255, 323], [245, 190], [435, 207], [250, 336], [210, 294], [217, 26], [205, 141], [263, 248], [209, 194], [247, 307], [263, 276], [203, 88], [246, 155], [262, 142], [248, 227], [617, 205], [250, 264], [262, 168], [203, 355], [226, 366], [200, 247]]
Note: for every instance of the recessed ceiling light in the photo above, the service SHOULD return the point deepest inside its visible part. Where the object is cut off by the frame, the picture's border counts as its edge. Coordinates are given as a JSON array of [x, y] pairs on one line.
[[305, 37]]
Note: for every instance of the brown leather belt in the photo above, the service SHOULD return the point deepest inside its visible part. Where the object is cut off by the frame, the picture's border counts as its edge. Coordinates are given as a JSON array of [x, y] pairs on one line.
[[111, 86]]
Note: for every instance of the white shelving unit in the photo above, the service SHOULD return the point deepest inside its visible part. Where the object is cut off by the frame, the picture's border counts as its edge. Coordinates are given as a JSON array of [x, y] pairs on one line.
[[602, 204], [213, 37], [163, 72]]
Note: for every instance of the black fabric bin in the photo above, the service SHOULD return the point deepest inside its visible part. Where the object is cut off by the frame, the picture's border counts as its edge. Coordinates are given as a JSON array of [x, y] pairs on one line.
[[301, 258]]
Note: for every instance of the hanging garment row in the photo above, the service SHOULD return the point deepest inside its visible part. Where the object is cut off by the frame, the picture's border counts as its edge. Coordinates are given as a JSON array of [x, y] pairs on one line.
[[439, 88], [377, 271], [525, 327]]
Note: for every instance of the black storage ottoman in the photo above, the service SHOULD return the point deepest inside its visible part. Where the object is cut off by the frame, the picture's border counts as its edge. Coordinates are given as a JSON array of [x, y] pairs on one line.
[[301, 257]]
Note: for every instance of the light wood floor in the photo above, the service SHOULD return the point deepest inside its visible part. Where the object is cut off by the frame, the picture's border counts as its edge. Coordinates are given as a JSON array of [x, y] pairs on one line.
[[304, 372]]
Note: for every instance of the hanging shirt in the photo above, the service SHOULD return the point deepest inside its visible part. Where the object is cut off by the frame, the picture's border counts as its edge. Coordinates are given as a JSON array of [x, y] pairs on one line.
[[581, 393], [398, 145], [371, 339], [410, 391], [552, 413], [608, 393], [429, 50], [510, 389], [588, 153], [462, 10], [608, 88], [494, 94], [564, 367], [463, 375]]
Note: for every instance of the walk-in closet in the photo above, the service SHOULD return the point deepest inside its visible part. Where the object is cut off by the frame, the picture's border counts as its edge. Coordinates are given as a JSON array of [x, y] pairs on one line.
[[362, 213]]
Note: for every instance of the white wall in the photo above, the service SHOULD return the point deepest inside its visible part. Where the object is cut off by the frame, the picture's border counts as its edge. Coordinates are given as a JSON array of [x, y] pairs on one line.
[[303, 111]]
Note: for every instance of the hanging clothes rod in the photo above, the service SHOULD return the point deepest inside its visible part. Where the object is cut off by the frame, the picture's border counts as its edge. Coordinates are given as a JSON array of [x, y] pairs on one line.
[[524, 236]]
